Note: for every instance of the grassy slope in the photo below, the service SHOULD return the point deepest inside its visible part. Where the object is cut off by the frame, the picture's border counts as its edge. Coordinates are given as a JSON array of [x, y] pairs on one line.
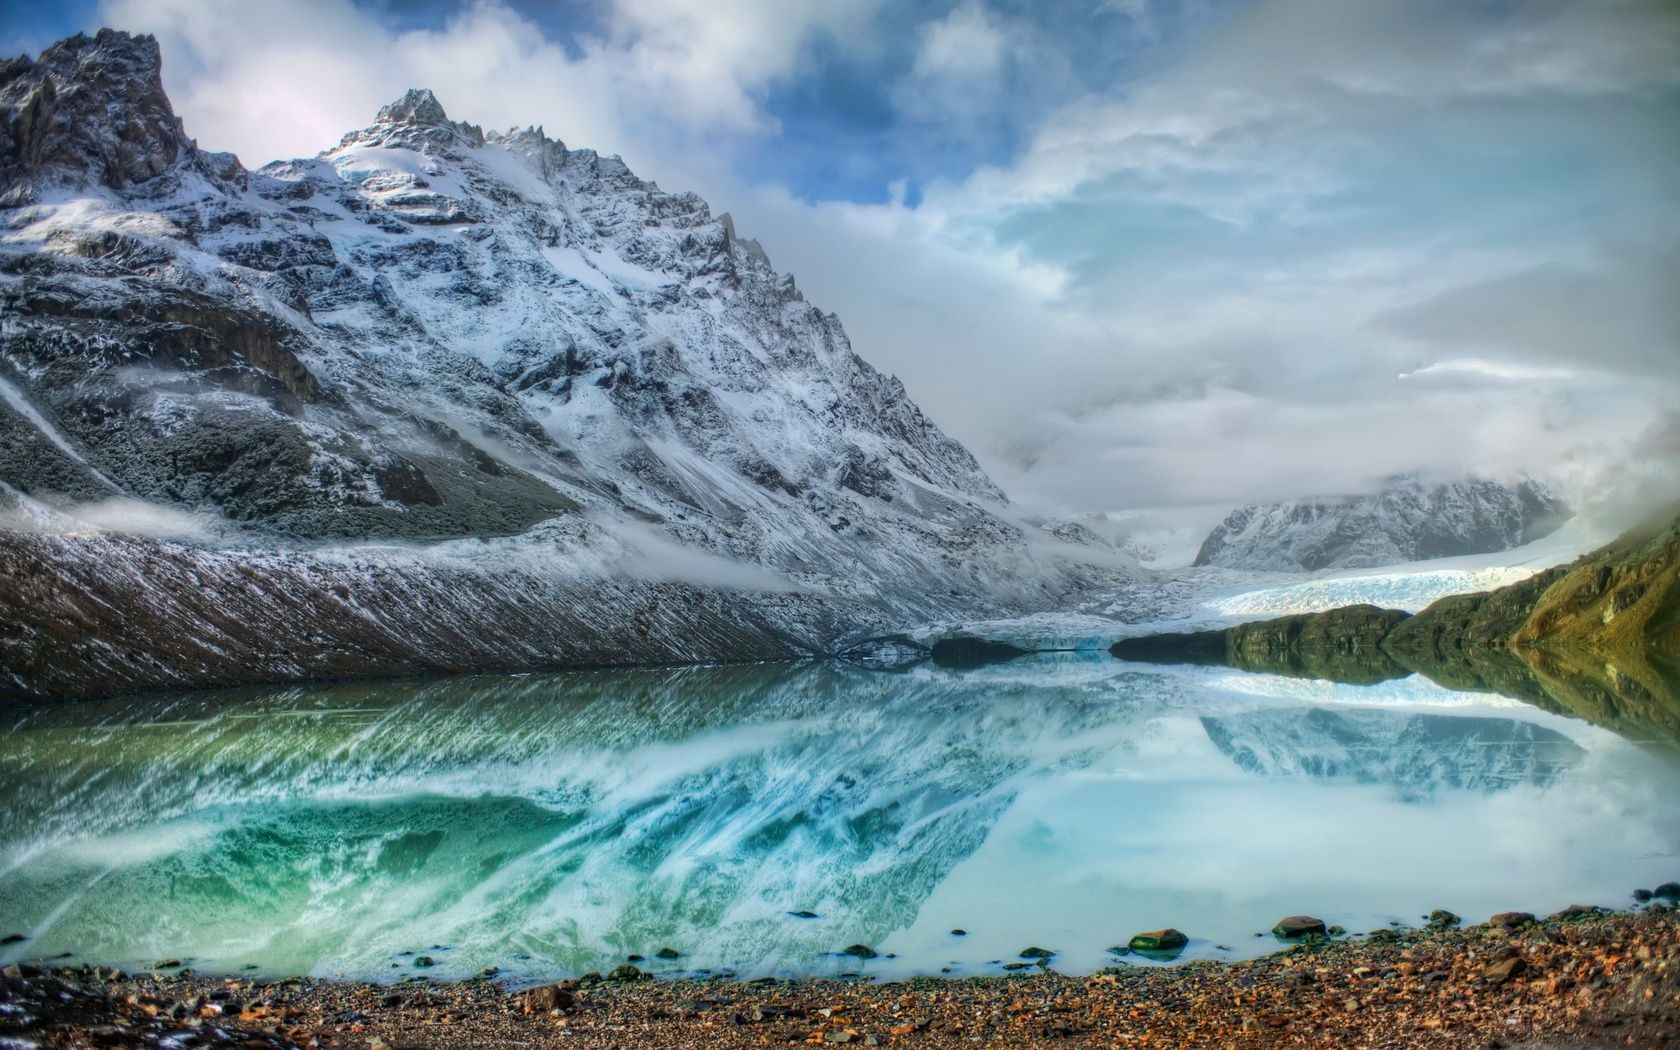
[[1598, 638]]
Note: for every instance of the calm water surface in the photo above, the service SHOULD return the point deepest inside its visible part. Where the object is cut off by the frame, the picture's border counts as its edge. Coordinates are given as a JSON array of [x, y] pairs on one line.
[[554, 824]]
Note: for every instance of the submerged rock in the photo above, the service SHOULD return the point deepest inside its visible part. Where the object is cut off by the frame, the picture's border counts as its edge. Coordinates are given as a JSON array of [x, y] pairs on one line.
[[1578, 912]]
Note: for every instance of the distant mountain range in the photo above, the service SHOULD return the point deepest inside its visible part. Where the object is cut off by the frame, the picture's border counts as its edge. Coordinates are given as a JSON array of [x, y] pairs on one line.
[[1409, 520]]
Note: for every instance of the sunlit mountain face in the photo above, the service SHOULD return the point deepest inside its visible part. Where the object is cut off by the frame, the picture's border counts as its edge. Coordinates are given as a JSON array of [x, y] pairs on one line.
[[558, 824]]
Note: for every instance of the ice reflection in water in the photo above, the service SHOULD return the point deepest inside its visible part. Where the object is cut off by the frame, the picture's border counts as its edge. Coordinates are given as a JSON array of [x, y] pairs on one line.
[[554, 824]]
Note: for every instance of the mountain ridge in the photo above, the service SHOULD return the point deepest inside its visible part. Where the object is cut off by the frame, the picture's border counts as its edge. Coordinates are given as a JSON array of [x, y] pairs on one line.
[[429, 334], [1410, 519]]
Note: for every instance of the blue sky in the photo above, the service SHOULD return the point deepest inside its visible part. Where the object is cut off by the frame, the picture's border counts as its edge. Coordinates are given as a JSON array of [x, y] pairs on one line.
[[1135, 253]]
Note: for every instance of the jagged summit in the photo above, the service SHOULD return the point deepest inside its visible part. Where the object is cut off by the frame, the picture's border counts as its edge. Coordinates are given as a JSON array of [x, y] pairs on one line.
[[92, 111], [417, 106]]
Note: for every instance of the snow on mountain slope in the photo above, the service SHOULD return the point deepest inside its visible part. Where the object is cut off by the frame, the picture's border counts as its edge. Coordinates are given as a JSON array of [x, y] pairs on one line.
[[1410, 520], [429, 332]]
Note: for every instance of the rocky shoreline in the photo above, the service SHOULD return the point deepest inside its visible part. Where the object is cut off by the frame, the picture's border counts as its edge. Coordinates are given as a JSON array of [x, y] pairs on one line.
[[1585, 977]]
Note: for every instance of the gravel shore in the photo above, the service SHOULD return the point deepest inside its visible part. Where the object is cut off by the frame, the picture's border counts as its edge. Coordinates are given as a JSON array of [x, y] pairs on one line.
[[1582, 978]]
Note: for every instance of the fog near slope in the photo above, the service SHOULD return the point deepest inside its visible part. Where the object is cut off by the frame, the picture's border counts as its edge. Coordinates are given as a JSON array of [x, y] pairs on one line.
[[619, 546]]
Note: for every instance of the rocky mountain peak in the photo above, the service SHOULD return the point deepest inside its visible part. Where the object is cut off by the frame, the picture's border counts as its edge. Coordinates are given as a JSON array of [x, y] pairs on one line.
[[417, 121], [417, 106], [93, 110]]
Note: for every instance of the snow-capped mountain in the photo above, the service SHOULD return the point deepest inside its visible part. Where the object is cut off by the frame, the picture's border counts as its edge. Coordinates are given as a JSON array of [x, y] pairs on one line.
[[431, 332], [1410, 520]]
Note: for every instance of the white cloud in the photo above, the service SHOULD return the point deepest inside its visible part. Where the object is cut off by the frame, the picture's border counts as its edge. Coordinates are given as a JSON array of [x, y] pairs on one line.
[[1197, 284], [276, 81]]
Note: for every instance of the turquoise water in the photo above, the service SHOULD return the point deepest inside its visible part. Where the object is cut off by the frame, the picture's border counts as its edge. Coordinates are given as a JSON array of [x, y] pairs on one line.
[[554, 824]]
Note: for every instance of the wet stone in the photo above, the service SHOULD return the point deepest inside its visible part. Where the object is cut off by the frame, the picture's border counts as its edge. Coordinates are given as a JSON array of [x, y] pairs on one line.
[[1158, 940], [548, 998], [1299, 926]]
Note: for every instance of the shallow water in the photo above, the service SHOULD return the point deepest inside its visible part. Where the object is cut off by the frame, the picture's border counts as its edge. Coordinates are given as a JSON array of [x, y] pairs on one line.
[[553, 824]]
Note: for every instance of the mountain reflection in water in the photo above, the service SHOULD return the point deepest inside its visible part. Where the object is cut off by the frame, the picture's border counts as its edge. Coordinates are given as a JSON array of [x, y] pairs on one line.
[[557, 823]]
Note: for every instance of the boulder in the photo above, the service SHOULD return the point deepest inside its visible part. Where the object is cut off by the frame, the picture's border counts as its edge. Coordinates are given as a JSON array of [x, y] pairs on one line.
[[1510, 920], [1158, 940], [1504, 970], [548, 998], [1299, 926]]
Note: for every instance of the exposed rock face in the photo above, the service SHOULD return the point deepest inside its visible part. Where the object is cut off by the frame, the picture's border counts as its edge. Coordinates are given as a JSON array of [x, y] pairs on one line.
[[428, 332], [1408, 521], [1598, 638], [92, 109]]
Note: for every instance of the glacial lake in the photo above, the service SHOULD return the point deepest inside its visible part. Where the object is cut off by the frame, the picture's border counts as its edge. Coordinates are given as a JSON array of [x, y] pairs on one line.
[[554, 824]]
